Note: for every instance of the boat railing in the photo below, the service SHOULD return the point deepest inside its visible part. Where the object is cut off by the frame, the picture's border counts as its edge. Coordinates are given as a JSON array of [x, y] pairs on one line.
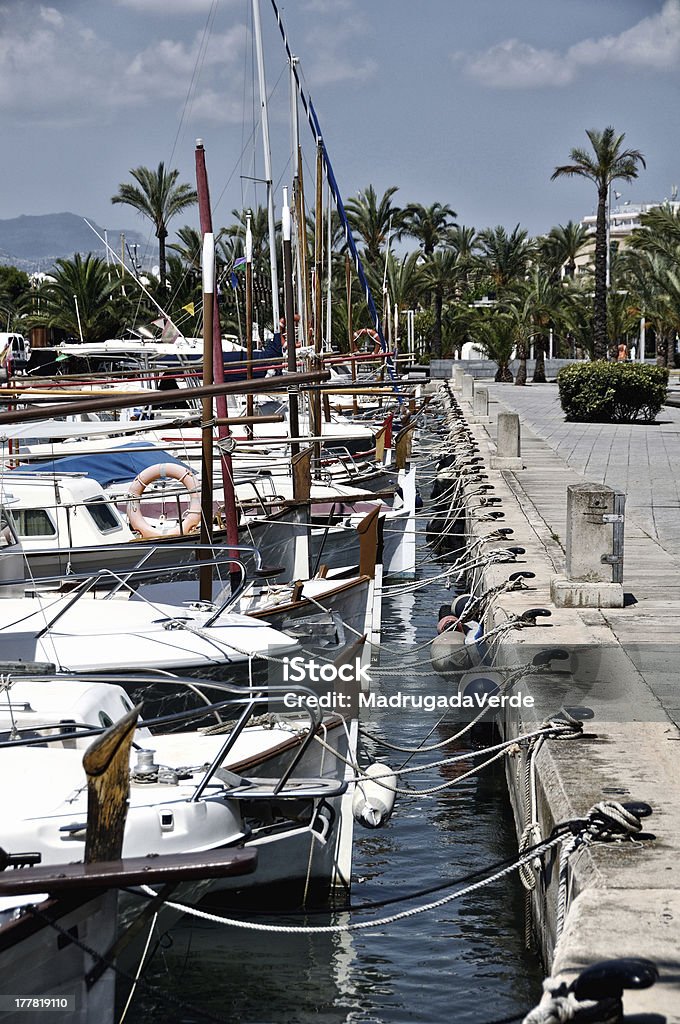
[[249, 701], [228, 559], [262, 500], [342, 455]]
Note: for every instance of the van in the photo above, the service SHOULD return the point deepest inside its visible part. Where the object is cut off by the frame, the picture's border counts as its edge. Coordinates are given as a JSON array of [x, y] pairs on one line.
[[19, 350]]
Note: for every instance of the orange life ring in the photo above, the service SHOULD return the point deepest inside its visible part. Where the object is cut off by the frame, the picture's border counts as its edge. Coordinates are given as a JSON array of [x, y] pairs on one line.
[[369, 333], [191, 518]]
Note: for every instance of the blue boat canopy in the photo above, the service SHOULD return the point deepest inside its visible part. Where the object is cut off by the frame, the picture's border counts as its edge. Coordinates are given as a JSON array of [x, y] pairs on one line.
[[106, 468]]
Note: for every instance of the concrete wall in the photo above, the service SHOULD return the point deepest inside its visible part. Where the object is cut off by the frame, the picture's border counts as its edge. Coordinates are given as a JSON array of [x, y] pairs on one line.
[[441, 369]]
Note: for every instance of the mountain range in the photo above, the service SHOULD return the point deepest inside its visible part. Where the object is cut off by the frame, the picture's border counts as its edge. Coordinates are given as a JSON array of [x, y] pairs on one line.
[[33, 243]]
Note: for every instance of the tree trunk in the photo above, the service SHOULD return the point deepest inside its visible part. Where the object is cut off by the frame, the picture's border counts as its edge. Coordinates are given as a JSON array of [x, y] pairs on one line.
[[600, 301], [503, 374], [438, 304], [539, 369], [521, 377], [662, 348]]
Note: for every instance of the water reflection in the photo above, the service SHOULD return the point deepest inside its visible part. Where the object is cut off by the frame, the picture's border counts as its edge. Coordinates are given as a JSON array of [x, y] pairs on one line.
[[451, 964]]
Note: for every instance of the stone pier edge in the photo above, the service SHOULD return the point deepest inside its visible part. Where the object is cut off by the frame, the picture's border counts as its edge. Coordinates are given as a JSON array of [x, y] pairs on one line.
[[624, 900]]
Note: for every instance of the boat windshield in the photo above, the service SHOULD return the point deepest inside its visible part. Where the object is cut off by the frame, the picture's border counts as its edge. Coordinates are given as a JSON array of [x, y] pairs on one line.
[[105, 519]]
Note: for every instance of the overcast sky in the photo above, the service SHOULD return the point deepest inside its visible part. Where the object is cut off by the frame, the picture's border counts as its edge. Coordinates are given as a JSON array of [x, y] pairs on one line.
[[468, 102]]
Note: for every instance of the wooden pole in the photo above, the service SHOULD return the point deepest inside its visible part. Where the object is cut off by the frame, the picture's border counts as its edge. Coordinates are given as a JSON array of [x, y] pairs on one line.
[[107, 766], [302, 223], [112, 401], [350, 325]]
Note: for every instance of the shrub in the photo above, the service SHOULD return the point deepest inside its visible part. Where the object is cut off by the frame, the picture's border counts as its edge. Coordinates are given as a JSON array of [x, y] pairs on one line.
[[602, 392]]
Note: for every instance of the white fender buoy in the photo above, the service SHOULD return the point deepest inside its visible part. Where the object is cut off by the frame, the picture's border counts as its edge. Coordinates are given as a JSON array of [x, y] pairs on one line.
[[374, 796], [473, 632], [448, 652]]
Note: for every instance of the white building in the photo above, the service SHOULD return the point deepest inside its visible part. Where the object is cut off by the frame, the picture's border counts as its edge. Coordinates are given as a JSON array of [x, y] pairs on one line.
[[623, 219]]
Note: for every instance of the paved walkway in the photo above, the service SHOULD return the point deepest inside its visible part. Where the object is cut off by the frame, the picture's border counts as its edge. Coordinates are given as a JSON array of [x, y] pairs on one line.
[[644, 462]]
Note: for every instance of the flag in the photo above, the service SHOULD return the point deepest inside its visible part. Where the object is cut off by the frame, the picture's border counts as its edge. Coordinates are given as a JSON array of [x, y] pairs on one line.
[[233, 280], [158, 323], [240, 262], [189, 308], [170, 332]]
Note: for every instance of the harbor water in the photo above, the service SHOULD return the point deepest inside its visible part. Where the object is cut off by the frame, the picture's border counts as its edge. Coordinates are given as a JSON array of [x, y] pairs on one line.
[[464, 962]]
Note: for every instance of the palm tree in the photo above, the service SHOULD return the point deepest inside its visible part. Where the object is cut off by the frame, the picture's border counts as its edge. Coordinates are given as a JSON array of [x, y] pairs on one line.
[[158, 197], [504, 257], [373, 220], [608, 163], [561, 247], [78, 296], [659, 232], [656, 244], [15, 296], [520, 314], [439, 275], [544, 302], [495, 332], [190, 246], [429, 224], [402, 280]]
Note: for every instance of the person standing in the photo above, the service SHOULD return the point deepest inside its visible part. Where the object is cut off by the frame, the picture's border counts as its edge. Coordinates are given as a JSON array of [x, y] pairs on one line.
[[622, 352]]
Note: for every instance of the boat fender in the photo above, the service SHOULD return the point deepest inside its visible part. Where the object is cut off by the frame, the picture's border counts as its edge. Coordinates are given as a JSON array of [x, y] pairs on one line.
[[374, 796], [462, 602], [449, 653], [479, 687], [473, 632], [449, 622]]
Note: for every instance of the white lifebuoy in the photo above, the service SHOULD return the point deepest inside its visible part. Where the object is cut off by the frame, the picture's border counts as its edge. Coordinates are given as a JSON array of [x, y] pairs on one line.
[[191, 518], [372, 335]]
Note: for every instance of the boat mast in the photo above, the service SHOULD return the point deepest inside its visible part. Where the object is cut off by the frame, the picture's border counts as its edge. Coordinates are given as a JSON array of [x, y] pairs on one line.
[[249, 318], [293, 416], [205, 216], [208, 270], [298, 206], [264, 116]]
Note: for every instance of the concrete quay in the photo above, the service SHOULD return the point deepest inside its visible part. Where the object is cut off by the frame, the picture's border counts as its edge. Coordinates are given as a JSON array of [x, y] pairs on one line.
[[623, 898]]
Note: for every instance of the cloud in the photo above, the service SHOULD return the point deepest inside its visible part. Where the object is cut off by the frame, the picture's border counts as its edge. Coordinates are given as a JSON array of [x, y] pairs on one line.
[[164, 69], [654, 42], [84, 79], [167, 7], [516, 65], [330, 44], [325, 7], [52, 16]]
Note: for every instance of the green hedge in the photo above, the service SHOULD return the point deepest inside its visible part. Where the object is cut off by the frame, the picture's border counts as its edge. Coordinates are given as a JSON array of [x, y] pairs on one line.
[[602, 392]]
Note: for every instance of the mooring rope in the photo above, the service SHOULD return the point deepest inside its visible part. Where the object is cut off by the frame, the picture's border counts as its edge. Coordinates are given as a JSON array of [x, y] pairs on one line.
[[605, 821]]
